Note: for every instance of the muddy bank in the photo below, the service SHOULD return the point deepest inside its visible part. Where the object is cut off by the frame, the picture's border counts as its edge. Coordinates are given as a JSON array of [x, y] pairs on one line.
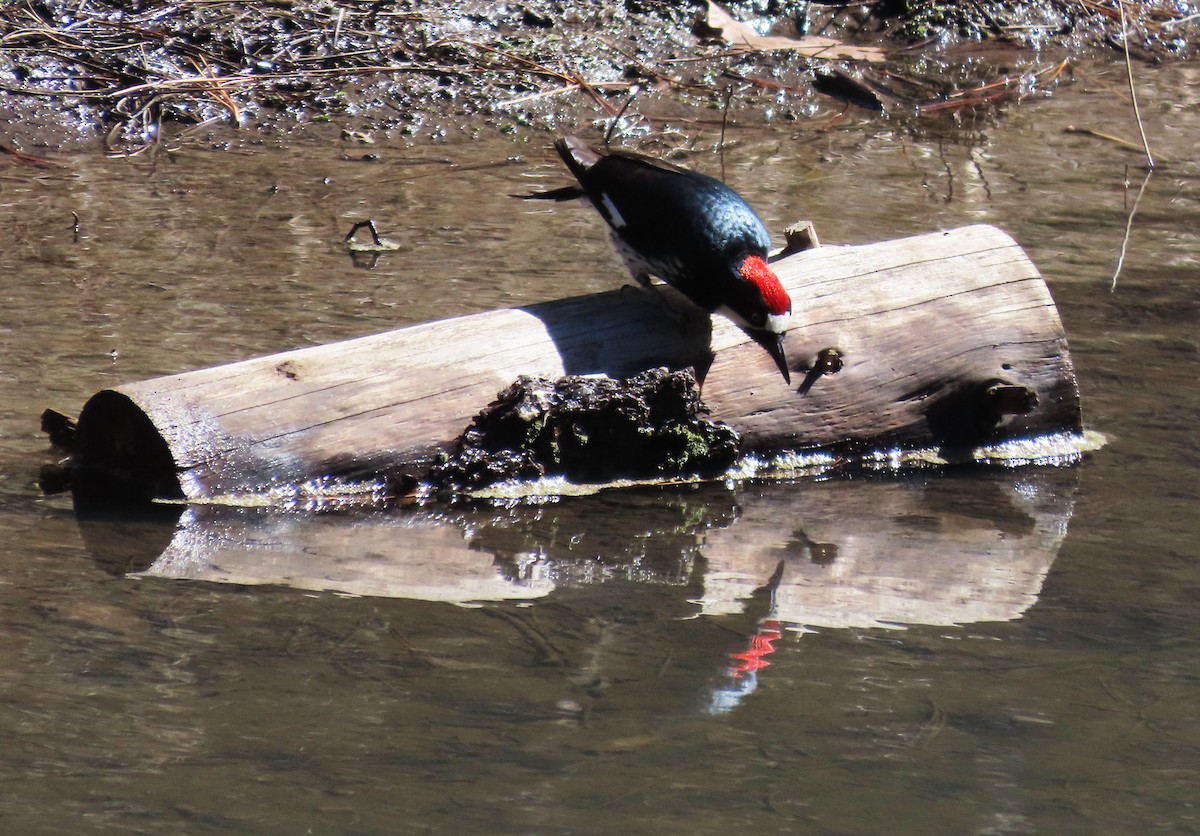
[[131, 74]]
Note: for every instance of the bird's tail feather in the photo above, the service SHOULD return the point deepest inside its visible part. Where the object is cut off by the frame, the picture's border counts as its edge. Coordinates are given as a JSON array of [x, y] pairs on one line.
[[579, 157], [577, 154], [564, 193]]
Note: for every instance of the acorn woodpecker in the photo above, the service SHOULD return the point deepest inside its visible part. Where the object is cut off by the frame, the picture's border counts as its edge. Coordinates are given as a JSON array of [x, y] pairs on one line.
[[687, 229]]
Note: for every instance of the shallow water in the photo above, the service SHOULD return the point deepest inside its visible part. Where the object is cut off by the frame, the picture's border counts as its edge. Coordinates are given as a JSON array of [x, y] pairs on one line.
[[1044, 681]]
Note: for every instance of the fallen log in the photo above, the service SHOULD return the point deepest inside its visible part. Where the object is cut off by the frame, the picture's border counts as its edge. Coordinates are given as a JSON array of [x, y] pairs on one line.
[[947, 340]]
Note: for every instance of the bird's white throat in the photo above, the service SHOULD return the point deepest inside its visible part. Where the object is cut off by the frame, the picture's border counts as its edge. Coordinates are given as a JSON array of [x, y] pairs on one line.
[[776, 323]]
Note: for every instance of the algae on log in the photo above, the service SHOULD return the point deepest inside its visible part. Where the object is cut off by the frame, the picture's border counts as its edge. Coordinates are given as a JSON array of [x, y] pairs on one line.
[[590, 430], [947, 340]]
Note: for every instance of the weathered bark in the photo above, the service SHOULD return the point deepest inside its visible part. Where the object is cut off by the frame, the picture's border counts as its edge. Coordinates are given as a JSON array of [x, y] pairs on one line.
[[944, 341]]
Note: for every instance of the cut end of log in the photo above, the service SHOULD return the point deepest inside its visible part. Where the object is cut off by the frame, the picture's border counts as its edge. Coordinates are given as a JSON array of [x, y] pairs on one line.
[[119, 454]]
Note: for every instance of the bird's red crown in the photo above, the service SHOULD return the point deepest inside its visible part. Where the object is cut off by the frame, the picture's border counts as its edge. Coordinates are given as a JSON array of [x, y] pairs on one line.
[[756, 270]]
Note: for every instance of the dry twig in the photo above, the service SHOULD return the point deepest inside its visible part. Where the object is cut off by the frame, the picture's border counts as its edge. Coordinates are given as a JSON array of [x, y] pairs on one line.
[[1137, 114]]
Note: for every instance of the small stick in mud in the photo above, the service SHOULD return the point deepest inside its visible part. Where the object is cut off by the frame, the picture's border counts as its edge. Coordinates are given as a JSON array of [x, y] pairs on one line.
[[378, 245]]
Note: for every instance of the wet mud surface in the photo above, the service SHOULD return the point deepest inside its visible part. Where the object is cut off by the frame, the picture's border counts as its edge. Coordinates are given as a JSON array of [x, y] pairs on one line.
[[130, 76]]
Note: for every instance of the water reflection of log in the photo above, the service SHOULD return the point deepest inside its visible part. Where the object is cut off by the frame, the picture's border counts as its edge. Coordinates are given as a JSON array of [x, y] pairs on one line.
[[930, 550], [885, 552], [947, 340]]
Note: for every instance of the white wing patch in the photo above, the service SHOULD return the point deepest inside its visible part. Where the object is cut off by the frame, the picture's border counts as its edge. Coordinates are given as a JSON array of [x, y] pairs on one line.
[[614, 216]]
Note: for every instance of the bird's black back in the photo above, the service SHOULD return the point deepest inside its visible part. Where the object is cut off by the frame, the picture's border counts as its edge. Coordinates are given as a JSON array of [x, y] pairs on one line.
[[692, 228]]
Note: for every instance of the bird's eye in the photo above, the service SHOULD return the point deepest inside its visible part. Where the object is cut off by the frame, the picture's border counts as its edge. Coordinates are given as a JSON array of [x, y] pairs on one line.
[[758, 319]]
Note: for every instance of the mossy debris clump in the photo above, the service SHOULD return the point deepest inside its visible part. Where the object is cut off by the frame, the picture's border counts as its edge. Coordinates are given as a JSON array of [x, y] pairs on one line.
[[589, 429]]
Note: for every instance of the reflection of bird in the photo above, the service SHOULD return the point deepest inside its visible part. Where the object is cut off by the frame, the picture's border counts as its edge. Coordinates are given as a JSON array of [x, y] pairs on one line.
[[693, 232]]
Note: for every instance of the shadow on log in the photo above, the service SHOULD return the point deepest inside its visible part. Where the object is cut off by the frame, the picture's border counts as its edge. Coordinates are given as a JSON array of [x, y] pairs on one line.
[[948, 340]]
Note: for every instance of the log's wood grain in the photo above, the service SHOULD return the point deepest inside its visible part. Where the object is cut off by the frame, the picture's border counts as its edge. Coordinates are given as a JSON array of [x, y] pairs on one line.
[[924, 325]]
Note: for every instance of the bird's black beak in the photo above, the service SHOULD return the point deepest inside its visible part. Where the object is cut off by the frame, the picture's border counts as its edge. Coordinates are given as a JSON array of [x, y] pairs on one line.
[[773, 343]]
